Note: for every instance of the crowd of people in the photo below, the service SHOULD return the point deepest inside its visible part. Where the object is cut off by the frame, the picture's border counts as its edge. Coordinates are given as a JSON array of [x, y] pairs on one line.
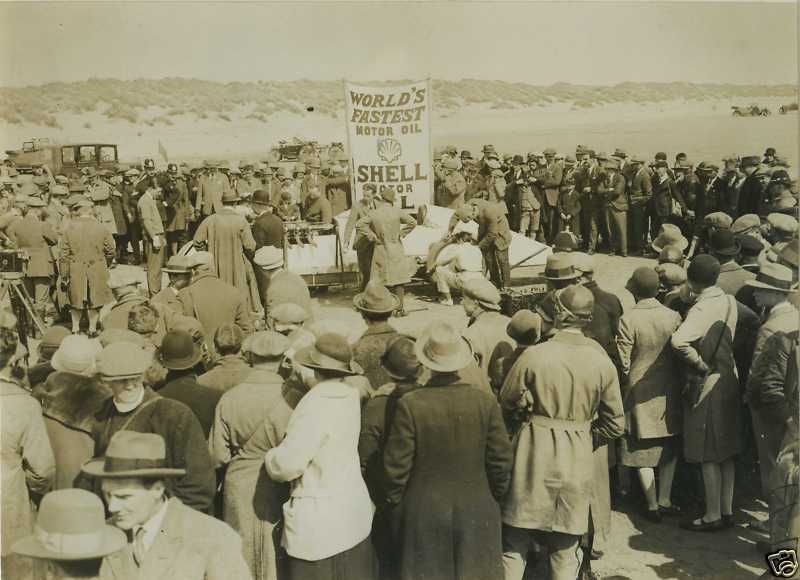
[[218, 427]]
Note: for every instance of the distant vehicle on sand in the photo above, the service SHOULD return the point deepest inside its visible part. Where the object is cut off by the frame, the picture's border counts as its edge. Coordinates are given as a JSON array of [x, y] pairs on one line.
[[783, 109], [750, 111], [64, 157]]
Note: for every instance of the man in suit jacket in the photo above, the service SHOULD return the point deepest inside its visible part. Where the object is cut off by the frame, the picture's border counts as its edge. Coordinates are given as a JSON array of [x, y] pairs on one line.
[[210, 189], [616, 207], [494, 239], [166, 538], [267, 228], [151, 213]]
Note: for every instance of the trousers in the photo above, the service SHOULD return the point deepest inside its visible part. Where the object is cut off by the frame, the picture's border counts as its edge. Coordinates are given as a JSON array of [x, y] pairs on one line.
[[497, 263], [529, 223], [448, 279], [564, 552], [617, 222], [155, 259]]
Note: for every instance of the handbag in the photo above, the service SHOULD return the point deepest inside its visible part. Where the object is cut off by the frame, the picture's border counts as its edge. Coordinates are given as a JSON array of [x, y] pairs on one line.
[[695, 380]]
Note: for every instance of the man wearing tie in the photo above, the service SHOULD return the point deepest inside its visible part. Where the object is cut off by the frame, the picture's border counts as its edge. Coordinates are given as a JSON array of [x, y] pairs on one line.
[[166, 539]]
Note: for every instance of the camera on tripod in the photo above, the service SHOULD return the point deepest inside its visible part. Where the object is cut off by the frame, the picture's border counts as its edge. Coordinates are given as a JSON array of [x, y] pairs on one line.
[[13, 263]]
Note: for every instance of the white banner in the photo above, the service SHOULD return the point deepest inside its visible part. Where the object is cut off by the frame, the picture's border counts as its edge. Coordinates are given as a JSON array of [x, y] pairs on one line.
[[388, 128]]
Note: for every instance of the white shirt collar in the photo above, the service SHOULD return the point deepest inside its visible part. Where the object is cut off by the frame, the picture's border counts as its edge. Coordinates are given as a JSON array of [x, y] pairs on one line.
[[126, 407], [153, 526]]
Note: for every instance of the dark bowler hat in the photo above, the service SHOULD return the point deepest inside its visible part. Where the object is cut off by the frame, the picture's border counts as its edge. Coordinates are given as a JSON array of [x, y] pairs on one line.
[[661, 156], [399, 359], [178, 351], [560, 267], [172, 168], [260, 197], [466, 155], [781, 176], [330, 352], [517, 160], [750, 245], [376, 299], [643, 282], [703, 269], [230, 195], [525, 327], [724, 243], [133, 454], [769, 151], [71, 526]]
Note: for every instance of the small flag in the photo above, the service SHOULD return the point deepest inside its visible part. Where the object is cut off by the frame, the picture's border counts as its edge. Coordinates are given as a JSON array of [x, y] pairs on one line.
[[162, 151]]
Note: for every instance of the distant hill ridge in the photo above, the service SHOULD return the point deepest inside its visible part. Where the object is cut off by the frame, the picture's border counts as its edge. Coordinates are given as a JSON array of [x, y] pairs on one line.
[[157, 101]]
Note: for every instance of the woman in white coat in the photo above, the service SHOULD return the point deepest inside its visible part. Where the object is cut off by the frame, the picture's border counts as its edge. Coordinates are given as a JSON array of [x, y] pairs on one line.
[[328, 518]]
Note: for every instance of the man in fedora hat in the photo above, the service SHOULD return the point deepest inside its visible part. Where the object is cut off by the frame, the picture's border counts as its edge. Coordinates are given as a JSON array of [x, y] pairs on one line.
[[772, 288], [616, 208], [376, 305], [71, 538], [166, 538], [181, 356], [210, 189], [724, 246], [136, 408], [151, 215], [267, 228], [180, 275], [456, 432], [402, 367], [560, 272], [551, 503], [486, 327], [227, 236]]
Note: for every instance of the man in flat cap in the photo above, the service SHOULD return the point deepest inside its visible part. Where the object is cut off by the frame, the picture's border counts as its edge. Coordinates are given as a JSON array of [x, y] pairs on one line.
[[86, 250], [167, 539], [136, 408], [35, 236]]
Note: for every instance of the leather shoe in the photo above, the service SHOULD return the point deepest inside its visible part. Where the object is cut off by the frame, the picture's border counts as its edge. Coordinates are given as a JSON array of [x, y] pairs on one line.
[[652, 515], [699, 525]]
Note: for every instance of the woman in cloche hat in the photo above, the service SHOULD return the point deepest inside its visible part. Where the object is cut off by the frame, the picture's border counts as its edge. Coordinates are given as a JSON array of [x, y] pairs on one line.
[[443, 434], [318, 452]]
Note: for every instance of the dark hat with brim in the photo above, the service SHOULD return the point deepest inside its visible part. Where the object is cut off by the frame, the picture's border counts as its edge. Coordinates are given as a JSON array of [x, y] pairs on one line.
[[399, 360], [178, 351], [71, 526], [133, 454], [724, 243]]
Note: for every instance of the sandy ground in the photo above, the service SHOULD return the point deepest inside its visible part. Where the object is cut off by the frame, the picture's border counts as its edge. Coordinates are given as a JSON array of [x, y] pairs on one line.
[[705, 130]]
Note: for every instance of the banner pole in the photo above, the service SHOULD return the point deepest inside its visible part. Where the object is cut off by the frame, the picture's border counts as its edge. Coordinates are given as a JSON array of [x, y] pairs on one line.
[[431, 172], [355, 195]]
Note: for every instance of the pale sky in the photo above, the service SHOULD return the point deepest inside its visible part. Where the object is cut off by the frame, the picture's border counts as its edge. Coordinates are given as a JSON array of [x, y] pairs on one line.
[[536, 43]]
